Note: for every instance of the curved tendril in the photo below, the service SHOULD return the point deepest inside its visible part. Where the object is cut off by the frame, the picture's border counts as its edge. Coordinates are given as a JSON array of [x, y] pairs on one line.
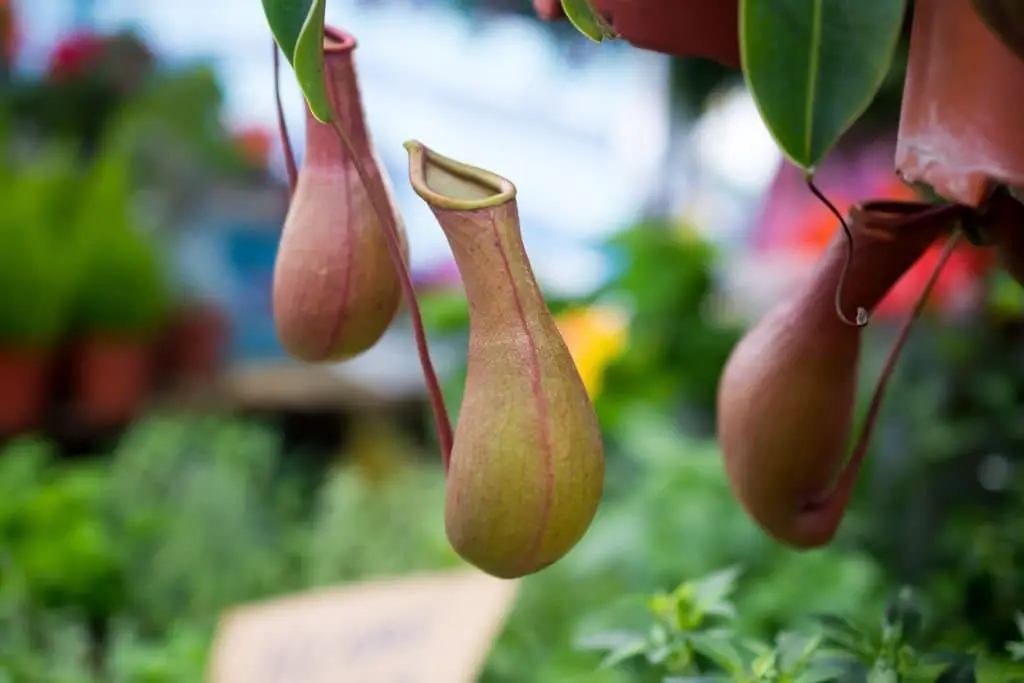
[[286, 143], [861, 318], [442, 421]]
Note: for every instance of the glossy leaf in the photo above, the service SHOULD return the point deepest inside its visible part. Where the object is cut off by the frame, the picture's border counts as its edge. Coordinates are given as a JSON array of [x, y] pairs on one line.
[[286, 18], [298, 28], [814, 66], [587, 20], [309, 62]]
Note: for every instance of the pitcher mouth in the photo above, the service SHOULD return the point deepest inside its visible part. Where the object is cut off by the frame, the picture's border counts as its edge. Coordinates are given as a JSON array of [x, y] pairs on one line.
[[337, 41], [448, 184]]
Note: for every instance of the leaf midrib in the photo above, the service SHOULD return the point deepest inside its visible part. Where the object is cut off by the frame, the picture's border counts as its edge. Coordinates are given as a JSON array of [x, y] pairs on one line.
[[812, 77]]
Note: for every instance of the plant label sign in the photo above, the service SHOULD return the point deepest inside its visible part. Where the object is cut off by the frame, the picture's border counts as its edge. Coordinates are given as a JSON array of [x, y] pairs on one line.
[[433, 628]]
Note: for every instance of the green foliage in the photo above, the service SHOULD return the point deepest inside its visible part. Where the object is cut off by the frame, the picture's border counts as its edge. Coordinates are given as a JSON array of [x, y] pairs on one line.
[[298, 28], [1016, 649], [690, 635], [667, 283], [122, 287], [174, 133], [672, 514], [814, 66], [55, 546], [944, 505], [197, 511], [35, 272], [188, 516], [331, 557], [57, 648]]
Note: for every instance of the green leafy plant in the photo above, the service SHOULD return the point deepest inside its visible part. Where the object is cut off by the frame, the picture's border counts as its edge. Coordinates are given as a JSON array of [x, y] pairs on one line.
[[689, 636], [667, 284], [122, 287], [35, 267], [204, 510], [55, 546], [1016, 649], [347, 495]]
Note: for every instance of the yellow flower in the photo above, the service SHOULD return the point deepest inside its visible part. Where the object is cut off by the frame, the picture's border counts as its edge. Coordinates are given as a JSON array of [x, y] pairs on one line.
[[595, 337]]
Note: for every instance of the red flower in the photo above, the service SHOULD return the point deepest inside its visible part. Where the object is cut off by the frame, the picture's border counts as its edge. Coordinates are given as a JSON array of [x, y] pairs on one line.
[[73, 56], [254, 143], [957, 288]]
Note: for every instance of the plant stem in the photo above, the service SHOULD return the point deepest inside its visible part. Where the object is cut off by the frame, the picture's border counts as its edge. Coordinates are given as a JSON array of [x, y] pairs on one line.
[[286, 143], [385, 218], [862, 316]]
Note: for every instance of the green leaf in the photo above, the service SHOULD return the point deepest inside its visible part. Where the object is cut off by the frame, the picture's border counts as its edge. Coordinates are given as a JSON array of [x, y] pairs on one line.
[[795, 649], [298, 28], [588, 21], [309, 62], [617, 645], [719, 650], [814, 66], [715, 588], [820, 674], [842, 633], [286, 18]]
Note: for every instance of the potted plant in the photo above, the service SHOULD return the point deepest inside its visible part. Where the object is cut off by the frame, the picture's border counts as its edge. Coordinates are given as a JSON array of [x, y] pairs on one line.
[[195, 344], [33, 310], [121, 303]]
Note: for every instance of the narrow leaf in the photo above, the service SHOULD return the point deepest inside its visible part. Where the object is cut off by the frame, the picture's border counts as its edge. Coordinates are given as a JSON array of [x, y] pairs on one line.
[[719, 650], [610, 640], [308, 61], [286, 18], [842, 633], [820, 674], [795, 648], [618, 656], [814, 66], [588, 21], [715, 588]]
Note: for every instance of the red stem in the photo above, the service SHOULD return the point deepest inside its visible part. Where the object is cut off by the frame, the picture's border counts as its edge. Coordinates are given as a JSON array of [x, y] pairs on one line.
[[286, 144], [442, 421]]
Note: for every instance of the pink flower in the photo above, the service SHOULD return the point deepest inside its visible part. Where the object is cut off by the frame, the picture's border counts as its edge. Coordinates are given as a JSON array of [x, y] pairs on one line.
[[74, 55]]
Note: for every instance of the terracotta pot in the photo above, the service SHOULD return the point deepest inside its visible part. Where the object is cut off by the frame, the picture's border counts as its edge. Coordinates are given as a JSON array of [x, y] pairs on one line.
[[684, 28], [112, 378], [25, 376], [960, 126], [196, 343]]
